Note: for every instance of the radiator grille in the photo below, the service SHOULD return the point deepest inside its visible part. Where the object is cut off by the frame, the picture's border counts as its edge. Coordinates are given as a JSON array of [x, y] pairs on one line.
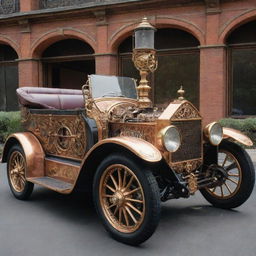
[[190, 140]]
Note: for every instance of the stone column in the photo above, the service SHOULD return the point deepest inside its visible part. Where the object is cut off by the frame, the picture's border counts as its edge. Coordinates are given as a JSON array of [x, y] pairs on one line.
[[213, 81], [29, 68]]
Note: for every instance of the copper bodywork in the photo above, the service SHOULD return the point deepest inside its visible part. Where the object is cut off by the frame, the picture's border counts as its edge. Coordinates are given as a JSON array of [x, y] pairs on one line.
[[53, 136], [236, 135], [33, 150]]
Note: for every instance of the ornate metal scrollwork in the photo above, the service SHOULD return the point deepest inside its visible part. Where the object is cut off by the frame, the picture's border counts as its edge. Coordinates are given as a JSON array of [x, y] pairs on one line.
[[9, 6], [60, 135], [186, 111]]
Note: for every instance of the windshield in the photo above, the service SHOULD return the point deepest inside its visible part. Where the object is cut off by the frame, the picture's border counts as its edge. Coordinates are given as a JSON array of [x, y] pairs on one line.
[[113, 86]]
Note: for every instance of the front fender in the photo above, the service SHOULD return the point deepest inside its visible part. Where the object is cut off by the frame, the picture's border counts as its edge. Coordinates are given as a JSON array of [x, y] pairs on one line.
[[237, 136], [33, 150], [139, 147]]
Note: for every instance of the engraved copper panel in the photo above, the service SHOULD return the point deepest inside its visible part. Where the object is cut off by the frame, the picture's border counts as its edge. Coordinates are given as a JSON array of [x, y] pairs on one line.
[[61, 171], [191, 140], [145, 131], [60, 135]]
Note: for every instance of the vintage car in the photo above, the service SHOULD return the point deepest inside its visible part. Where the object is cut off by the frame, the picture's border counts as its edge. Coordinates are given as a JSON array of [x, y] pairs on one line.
[[128, 158]]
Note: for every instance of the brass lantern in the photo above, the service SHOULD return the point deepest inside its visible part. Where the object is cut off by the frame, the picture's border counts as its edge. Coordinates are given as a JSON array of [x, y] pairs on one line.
[[144, 58]]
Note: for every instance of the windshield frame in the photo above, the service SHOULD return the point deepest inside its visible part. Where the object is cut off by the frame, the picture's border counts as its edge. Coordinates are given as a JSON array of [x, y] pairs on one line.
[[121, 91]]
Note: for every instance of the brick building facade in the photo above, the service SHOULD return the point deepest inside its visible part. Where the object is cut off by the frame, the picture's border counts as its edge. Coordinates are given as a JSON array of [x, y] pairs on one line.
[[208, 46]]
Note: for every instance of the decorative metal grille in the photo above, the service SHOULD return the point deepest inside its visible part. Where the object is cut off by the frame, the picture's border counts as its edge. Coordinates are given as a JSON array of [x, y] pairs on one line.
[[191, 140], [45, 4], [9, 6]]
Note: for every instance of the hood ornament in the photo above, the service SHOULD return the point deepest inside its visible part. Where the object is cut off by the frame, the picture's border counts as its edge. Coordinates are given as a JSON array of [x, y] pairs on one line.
[[181, 93]]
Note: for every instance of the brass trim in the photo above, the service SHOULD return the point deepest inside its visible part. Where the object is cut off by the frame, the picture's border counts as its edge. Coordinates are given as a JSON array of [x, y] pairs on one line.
[[207, 130]]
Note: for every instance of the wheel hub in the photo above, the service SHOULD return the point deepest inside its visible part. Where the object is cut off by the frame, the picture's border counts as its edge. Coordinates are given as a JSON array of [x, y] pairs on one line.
[[118, 198]]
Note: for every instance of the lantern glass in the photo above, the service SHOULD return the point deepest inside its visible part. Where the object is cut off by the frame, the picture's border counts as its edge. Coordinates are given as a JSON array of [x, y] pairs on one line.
[[144, 38]]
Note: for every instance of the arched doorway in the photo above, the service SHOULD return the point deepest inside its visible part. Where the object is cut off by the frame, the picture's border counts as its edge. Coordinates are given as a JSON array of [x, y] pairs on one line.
[[242, 70], [8, 78], [178, 64], [67, 63]]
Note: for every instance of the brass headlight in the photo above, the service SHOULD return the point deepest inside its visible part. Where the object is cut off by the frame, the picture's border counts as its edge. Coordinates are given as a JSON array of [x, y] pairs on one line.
[[214, 133], [170, 138]]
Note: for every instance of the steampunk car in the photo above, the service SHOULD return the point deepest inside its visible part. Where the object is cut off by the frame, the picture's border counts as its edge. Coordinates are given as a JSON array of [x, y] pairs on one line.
[[107, 139]]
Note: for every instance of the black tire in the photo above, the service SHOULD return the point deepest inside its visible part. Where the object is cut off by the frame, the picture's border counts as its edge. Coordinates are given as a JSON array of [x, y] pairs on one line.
[[246, 184], [26, 189], [148, 191]]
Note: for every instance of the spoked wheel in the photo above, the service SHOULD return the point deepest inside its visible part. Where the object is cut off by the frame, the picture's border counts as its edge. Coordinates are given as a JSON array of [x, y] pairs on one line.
[[16, 172], [236, 185], [127, 199]]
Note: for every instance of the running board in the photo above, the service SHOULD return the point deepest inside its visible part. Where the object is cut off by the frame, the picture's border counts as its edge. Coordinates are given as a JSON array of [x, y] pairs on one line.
[[53, 184]]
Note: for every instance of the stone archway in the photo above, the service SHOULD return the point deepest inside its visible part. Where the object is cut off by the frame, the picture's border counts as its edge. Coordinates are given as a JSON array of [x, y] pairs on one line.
[[67, 63]]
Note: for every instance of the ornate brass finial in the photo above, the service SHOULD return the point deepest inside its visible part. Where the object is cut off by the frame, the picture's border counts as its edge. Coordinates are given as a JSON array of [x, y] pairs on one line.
[[181, 92]]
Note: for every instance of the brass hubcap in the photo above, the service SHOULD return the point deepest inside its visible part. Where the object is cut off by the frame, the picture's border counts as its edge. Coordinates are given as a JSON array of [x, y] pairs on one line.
[[232, 182], [122, 198], [16, 171]]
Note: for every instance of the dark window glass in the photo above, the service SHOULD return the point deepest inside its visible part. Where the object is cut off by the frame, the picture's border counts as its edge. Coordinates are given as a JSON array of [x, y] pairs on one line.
[[243, 76], [178, 64], [8, 79], [173, 71]]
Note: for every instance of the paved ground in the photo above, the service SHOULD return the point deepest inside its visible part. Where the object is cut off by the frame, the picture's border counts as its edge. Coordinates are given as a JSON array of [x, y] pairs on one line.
[[57, 225]]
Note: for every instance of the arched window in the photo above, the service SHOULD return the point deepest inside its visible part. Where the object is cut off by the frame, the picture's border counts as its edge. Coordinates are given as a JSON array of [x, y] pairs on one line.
[[242, 70], [67, 63], [178, 64], [8, 78]]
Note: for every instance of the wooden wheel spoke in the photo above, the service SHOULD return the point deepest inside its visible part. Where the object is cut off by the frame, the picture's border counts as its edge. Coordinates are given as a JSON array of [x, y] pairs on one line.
[[131, 215], [221, 190], [125, 217], [231, 166], [134, 200], [114, 181], [115, 211], [119, 178], [228, 188], [225, 160], [235, 182], [120, 215], [109, 196], [110, 206], [110, 188], [132, 191], [134, 208], [124, 178], [129, 183], [233, 175]]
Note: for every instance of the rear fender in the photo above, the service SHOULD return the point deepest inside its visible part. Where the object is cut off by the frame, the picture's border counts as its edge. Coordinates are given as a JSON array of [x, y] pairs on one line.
[[33, 150], [237, 136]]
